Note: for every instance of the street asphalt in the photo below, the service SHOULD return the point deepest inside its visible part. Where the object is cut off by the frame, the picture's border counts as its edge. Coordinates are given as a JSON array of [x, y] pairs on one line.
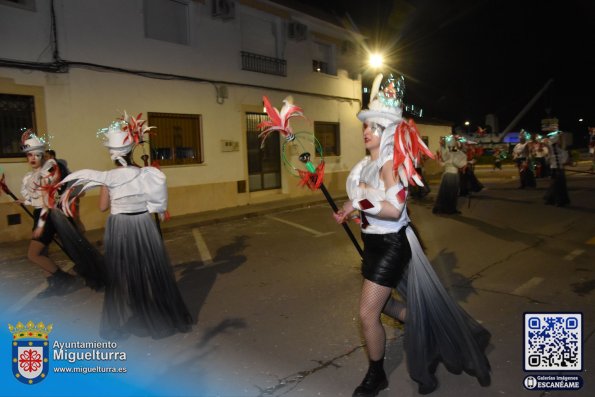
[[274, 287]]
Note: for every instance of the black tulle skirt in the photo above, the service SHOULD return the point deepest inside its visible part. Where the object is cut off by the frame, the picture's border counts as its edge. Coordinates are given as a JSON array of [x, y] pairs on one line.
[[448, 194], [88, 261], [437, 328], [557, 192], [141, 295], [468, 182]]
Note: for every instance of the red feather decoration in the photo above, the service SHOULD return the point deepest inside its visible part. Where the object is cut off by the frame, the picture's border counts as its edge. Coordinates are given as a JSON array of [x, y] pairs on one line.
[[312, 180], [49, 185], [278, 121], [408, 149], [3, 187]]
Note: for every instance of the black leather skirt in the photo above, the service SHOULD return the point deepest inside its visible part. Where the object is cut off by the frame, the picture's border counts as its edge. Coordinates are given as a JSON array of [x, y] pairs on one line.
[[386, 257], [48, 229]]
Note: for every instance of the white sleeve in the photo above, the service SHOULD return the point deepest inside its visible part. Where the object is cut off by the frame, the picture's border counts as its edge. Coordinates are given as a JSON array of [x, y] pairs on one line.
[[370, 203], [24, 191], [397, 196], [155, 189], [353, 180], [361, 198]]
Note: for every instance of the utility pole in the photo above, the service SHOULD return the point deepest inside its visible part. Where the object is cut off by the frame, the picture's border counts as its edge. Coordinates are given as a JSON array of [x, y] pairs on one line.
[[526, 108]]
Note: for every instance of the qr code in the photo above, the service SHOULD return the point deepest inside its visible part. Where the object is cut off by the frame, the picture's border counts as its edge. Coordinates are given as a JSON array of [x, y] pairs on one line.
[[553, 341]]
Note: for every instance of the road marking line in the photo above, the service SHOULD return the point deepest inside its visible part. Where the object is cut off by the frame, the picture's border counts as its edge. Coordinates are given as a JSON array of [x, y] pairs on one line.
[[203, 250], [324, 234], [316, 233], [34, 292], [573, 254], [521, 289]]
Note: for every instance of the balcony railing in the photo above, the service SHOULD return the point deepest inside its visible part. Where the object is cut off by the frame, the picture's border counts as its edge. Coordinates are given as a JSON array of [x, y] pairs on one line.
[[263, 64], [320, 66]]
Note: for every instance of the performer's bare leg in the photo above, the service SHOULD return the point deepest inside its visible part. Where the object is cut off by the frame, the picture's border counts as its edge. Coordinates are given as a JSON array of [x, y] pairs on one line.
[[37, 253], [59, 282]]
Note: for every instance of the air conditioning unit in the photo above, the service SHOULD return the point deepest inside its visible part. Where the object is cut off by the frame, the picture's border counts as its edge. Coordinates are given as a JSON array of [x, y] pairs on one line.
[[297, 31], [224, 9]]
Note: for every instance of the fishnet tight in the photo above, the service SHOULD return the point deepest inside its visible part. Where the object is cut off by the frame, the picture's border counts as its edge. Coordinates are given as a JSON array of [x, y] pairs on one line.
[[376, 299]]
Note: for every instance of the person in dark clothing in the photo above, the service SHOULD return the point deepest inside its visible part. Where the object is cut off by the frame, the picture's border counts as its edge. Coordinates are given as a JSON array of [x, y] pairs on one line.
[[557, 193]]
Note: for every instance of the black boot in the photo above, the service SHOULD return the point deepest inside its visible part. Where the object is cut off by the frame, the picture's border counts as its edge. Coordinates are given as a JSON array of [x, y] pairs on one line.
[[66, 282], [374, 381], [51, 288], [59, 283]]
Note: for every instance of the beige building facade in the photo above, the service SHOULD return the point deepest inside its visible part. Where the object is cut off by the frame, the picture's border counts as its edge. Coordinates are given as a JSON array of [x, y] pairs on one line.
[[198, 71]]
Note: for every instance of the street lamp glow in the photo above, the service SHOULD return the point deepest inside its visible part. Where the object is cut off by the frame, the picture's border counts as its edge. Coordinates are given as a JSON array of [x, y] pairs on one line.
[[376, 60], [467, 123]]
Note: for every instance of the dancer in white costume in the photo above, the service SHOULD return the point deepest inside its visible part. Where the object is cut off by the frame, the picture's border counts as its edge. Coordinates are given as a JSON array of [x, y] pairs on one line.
[[452, 159], [141, 295], [437, 329], [36, 193]]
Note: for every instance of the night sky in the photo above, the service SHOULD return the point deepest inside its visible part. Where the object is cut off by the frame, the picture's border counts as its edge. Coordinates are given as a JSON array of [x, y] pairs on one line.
[[463, 59]]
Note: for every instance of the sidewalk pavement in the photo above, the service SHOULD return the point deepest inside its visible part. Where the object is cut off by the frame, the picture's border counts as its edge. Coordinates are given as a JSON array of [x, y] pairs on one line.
[[248, 211], [17, 249], [484, 173]]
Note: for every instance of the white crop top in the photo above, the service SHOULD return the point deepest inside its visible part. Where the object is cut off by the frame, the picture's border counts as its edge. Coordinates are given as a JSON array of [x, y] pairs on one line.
[[131, 189], [368, 172]]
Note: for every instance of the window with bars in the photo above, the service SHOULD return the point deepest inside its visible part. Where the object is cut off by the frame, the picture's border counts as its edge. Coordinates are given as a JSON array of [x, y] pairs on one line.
[[261, 47], [17, 113], [320, 66], [328, 134], [177, 138], [323, 58]]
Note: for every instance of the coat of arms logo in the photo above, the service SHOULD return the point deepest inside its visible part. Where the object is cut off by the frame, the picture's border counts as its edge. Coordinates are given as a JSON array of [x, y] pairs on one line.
[[30, 351]]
